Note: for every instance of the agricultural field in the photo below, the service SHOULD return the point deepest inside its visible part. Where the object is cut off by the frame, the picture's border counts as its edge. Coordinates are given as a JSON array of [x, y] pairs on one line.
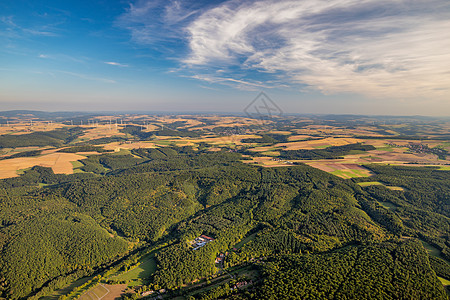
[[104, 292], [60, 163], [268, 190], [341, 169]]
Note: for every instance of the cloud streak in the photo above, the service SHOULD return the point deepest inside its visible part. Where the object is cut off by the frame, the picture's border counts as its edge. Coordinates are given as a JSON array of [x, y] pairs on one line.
[[88, 77], [112, 63], [376, 48]]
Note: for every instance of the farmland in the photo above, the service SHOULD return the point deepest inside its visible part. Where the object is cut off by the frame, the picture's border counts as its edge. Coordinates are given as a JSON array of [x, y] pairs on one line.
[[277, 192]]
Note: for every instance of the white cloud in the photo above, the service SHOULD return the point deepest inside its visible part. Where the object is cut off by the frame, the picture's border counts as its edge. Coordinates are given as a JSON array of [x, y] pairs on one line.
[[151, 22], [112, 63], [377, 48]]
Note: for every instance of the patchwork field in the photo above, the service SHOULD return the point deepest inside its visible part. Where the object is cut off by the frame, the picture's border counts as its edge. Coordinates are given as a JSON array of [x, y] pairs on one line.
[[100, 131], [104, 292], [25, 128], [116, 146], [340, 169], [61, 163]]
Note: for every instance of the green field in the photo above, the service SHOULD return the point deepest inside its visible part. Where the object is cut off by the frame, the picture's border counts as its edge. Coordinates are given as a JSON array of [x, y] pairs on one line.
[[431, 249], [271, 153], [245, 241], [386, 148], [369, 183], [76, 164], [350, 173], [444, 281], [67, 289], [387, 205], [141, 273]]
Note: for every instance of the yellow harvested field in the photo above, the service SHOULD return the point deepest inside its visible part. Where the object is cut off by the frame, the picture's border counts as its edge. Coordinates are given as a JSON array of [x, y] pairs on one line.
[[25, 128], [266, 161], [309, 145], [300, 137], [116, 146], [101, 131], [341, 168], [59, 162], [218, 140], [262, 149], [280, 132], [339, 131]]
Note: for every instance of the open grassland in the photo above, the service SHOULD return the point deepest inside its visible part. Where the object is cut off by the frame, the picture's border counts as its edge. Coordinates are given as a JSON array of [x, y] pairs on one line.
[[245, 241], [369, 183], [61, 163], [141, 273], [394, 188]]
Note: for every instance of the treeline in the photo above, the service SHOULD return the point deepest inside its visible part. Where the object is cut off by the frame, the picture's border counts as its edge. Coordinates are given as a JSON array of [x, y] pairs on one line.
[[327, 153], [390, 270], [423, 206], [54, 138], [148, 135], [41, 175], [440, 266], [83, 148], [23, 154]]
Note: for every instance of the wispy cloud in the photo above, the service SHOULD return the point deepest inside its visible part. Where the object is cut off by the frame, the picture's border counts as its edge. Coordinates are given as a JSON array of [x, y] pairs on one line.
[[112, 63], [237, 83], [15, 30], [156, 21], [88, 77], [65, 58], [373, 47]]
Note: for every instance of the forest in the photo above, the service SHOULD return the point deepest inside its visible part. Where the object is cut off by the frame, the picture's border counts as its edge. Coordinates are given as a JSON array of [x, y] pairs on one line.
[[307, 233]]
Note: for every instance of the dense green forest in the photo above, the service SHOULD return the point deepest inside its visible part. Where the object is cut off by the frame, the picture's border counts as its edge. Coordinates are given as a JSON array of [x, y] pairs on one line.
[[390, 270], [423, 206], [327, 153], [308, 234], [54, 138]]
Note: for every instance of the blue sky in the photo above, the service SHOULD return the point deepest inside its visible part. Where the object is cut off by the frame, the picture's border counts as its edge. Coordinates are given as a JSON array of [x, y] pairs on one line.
[[315, 56]]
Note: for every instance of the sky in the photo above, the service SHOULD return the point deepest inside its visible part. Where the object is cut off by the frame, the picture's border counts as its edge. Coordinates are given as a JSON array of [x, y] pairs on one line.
[[384, 57]]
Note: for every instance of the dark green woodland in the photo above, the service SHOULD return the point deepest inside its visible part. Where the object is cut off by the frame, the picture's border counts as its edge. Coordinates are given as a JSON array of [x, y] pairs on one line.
[[302, 233]]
